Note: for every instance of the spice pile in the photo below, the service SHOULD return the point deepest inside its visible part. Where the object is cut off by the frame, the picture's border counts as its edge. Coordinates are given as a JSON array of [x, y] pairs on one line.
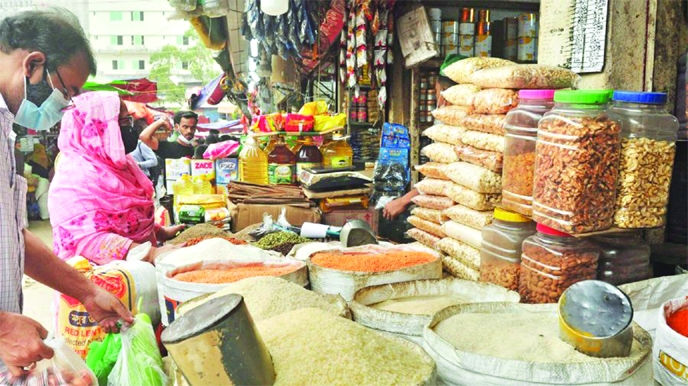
[[199, 231], [197, 240], [281, 242], [678, 321], [369, 262], [304, 342], [530, 337], [233, 273], [267, 296]]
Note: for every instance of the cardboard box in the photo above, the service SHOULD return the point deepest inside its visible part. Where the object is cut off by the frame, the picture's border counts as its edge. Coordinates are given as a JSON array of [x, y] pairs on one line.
[[203, 167], [244, 215], [176, 168], [226, 170], [340, 217]]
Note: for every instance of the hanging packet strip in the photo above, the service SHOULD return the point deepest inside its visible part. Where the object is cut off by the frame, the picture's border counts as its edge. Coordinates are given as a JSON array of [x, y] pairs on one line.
[[395, 136]]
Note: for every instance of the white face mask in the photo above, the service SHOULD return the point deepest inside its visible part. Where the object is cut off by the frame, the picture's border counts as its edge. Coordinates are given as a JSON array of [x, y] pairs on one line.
[[184, 140]]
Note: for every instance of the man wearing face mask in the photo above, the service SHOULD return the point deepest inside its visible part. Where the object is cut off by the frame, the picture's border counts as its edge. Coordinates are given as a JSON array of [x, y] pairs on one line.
[[184, 125], [45, 59]]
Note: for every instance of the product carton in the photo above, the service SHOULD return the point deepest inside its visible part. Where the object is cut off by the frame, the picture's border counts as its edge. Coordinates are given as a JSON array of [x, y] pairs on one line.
[[339, 217], [244, 215]]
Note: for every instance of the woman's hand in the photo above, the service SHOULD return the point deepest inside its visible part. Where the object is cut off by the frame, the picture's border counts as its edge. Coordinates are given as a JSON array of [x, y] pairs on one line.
[[155, 252], [168, 233]]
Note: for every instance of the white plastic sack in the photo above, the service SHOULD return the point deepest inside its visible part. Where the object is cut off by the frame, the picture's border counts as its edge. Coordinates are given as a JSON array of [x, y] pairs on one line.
[[670, 350], [346, 283], [648, 296], [455, 367]]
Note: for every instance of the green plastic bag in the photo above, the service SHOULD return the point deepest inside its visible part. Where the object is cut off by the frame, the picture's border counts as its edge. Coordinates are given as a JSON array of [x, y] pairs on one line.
[[102, 356], [139, 362]]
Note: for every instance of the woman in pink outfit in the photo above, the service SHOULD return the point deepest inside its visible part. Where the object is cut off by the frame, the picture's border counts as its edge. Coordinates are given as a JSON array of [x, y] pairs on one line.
[[101, 203]]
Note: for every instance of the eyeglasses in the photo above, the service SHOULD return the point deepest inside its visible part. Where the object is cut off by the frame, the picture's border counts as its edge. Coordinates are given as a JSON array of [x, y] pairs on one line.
[[127, 121], [64, 89]]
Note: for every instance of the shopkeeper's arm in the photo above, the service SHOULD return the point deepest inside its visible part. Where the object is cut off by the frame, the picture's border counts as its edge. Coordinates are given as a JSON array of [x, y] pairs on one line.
[[148, 134], [398, 206], [43, 266]]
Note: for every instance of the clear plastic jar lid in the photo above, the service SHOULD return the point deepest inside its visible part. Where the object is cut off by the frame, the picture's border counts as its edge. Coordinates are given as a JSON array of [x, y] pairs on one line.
[[654, 98], [536, 94]]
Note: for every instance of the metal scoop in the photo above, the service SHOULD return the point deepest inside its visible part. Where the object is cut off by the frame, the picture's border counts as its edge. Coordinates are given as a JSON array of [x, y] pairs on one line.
[[356, 233]]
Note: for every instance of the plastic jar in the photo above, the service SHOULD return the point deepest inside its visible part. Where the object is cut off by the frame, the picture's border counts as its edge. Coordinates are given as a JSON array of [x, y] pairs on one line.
[[577, 163], [624, 258], [551, 262], [648, 146], [521, 125], [500, 253]]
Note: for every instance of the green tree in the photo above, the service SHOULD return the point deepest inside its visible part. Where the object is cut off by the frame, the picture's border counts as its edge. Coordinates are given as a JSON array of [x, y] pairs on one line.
[[200, 63]]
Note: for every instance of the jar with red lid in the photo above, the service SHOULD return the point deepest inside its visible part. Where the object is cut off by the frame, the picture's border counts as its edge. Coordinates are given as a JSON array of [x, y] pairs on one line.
[[551, 262], [521, 126]]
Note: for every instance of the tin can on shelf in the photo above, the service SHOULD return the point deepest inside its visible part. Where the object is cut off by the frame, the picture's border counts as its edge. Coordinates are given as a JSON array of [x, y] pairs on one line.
[[432, 79], [511, 50], [423, 116], [363, 98], [450, 38], [450, 27], [466, 46], [511, 28], [527, 49], [431, 104], [423, 83], [431, 96], [527, 25], [423, 96], [363, 114], [423, 107], [353, 114], [451, 49]]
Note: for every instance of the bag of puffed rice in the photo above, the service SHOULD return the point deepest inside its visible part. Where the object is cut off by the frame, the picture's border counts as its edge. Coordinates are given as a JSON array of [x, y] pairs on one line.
[[528, 76], [426, 226], [463, 252], [467, 235], [423, 237], [451, 115], [440, 152], [472, 199], [459, 270], [474, 177], [445, 133], [491, 160], [433, 202], [484, 141], [467, 216], [460, 94], [487, 123], [494, 101], [432, 170], [461, 71], [433, 187], [432, 215]]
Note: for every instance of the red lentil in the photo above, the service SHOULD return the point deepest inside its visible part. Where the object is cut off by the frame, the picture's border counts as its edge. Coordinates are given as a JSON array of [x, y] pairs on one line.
[[369, 262], [230, 275]]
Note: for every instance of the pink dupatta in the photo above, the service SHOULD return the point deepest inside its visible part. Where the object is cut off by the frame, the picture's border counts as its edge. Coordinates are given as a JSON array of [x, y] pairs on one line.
[[100, 201]]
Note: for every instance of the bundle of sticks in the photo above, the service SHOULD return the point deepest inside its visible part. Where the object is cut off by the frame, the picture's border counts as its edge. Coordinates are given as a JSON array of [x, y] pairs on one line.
[[243, 192]]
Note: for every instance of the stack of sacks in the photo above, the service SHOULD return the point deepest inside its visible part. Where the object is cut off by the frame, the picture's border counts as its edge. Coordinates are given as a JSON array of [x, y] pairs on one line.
[[427, 217]]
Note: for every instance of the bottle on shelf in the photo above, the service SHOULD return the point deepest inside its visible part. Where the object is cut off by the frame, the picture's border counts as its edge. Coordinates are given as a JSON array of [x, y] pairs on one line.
[[467, 32], [253, 163], [281, 165], [483, 39], [271, 144]]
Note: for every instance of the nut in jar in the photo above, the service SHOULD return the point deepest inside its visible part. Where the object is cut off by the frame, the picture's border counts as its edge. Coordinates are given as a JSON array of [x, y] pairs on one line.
[[500, 272], [546, 273], [576, 169], [644, 180]]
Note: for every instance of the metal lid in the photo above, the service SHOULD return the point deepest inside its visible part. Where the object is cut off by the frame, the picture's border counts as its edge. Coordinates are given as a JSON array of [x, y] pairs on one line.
[[595, 309], [654, 98], [201, 319]]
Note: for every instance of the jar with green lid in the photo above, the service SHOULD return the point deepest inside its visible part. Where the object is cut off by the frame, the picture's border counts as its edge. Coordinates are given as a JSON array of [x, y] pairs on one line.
[[625, 258], [551, 262], [648, 146], [521, 126], [500, 253], [577, 163]]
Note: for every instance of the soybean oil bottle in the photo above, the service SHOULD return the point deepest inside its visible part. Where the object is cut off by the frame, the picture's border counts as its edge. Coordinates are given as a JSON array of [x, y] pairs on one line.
[[281, 165], [253, 163], [338, 154], [308, 156]]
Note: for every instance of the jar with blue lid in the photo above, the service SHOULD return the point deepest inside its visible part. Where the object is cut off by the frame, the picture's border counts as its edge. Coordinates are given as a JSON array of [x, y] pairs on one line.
[[648, 147]]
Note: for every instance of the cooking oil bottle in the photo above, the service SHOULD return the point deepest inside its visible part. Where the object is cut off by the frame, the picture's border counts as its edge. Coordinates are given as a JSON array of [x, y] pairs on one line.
[[338, 154], [271, 144], [201, 185], [281, 165], [308, 156], [253, 163], [183, 186]]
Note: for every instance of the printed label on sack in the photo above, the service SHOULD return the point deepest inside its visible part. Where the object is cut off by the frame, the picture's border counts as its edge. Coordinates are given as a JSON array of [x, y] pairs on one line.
[[483, 46], [75, 324], [673, 366], [281, 174]]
